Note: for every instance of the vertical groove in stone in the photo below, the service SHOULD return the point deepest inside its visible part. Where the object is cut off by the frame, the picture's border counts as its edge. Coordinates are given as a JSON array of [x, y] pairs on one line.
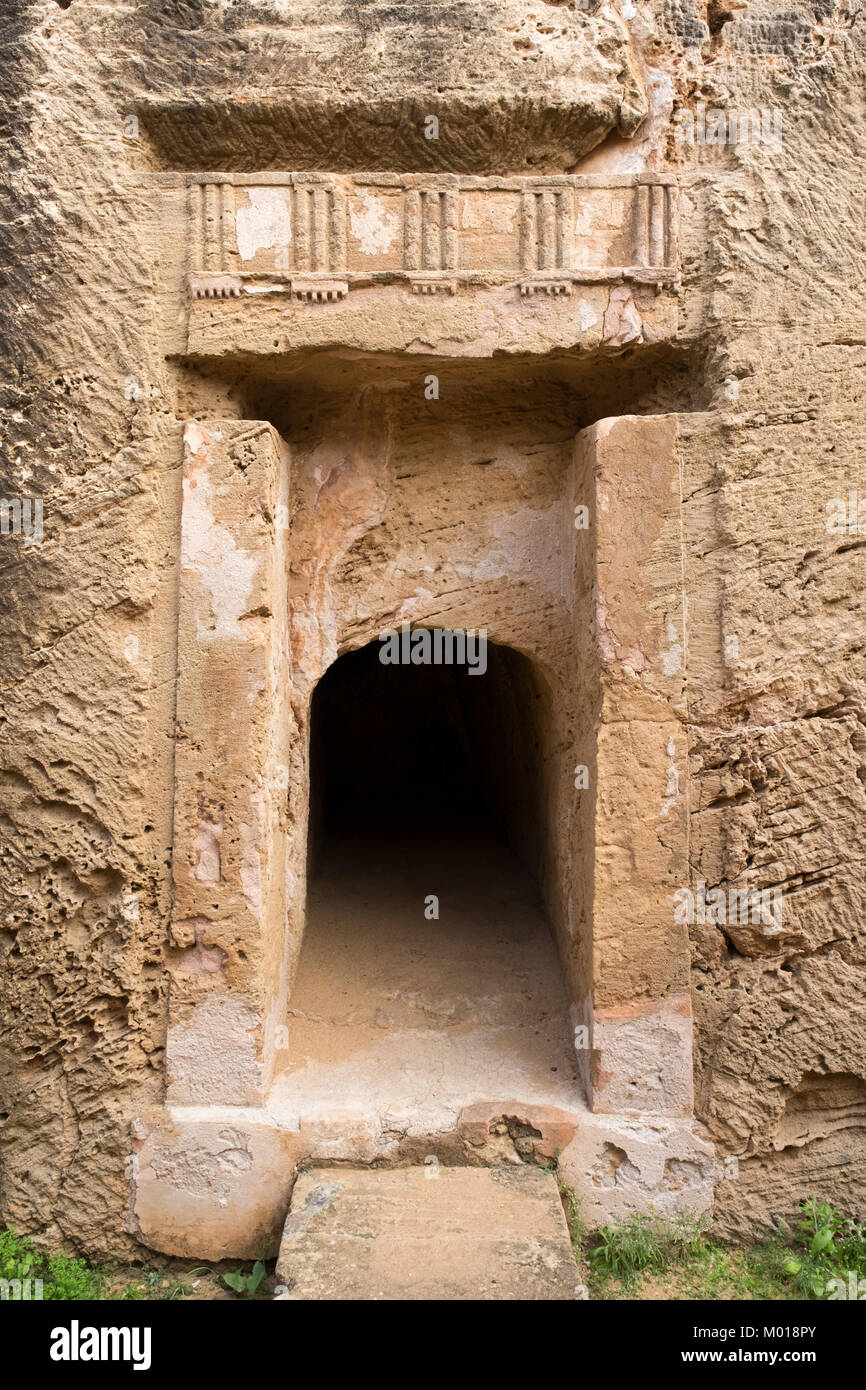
[[302, 227], [529, 232], [412, 230], [657, 224], [431, 217], [211, 227], [319, 237], [547, 250], [672, 219], [449, 230], [641, 224], [339, 256], [564, 224], [195, 208], [228, 238]]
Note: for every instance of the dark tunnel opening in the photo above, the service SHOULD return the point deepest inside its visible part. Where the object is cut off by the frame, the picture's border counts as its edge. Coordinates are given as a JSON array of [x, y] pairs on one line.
[[428, 959], [403, 751]]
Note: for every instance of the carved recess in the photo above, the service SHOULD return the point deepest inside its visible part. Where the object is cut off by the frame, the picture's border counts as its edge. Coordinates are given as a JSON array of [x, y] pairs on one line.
[[315, 237]]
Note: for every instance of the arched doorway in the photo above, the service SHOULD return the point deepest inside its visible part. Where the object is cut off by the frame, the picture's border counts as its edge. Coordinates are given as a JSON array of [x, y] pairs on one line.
[[428, 977]]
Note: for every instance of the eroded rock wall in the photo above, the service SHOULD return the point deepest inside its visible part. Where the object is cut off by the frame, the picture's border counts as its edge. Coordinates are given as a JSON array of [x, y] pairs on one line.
[[776, 602], [99, 100]]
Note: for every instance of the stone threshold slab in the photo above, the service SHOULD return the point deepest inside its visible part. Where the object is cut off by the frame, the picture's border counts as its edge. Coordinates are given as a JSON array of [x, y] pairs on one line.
[[426, 1233]]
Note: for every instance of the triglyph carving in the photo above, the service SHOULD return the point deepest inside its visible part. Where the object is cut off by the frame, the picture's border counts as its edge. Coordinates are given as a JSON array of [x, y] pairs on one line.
[[313, 237]]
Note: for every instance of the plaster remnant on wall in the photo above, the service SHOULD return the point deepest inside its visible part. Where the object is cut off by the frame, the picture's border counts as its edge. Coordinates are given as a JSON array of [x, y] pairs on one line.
[[604, 638], [622, 322], [266, 223], [644, 1058], [211, 1054], [209, 549], [206, 845], [631, 157], [530, 547], [206, 1169], [251, 864], [586, 316], [672, 659], [373, 226], [130, 908], [672, 789]]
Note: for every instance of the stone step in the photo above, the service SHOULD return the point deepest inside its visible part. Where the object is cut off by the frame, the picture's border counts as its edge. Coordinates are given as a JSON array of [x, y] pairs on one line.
[[431, 1233]]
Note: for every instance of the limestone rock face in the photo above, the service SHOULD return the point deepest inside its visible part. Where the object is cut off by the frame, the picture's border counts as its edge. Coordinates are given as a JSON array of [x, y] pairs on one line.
[[350, 86], [709, 279], [429, 1233]]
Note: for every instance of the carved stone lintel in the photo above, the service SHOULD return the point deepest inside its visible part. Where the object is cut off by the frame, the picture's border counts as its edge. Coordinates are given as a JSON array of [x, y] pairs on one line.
[[431, 284], [216, 285], [553, 285], [314, 291], [325, 289]]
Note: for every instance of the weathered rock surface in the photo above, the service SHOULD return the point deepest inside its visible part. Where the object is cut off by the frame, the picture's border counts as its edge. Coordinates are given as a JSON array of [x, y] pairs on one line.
[[761, 358], [430, 1233]]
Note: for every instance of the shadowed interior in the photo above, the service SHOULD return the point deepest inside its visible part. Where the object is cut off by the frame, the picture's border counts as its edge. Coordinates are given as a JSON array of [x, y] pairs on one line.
[[402, 749], [428, 977]]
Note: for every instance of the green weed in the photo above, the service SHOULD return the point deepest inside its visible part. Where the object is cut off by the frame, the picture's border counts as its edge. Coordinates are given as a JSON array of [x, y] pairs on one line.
[[246, 1283]]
